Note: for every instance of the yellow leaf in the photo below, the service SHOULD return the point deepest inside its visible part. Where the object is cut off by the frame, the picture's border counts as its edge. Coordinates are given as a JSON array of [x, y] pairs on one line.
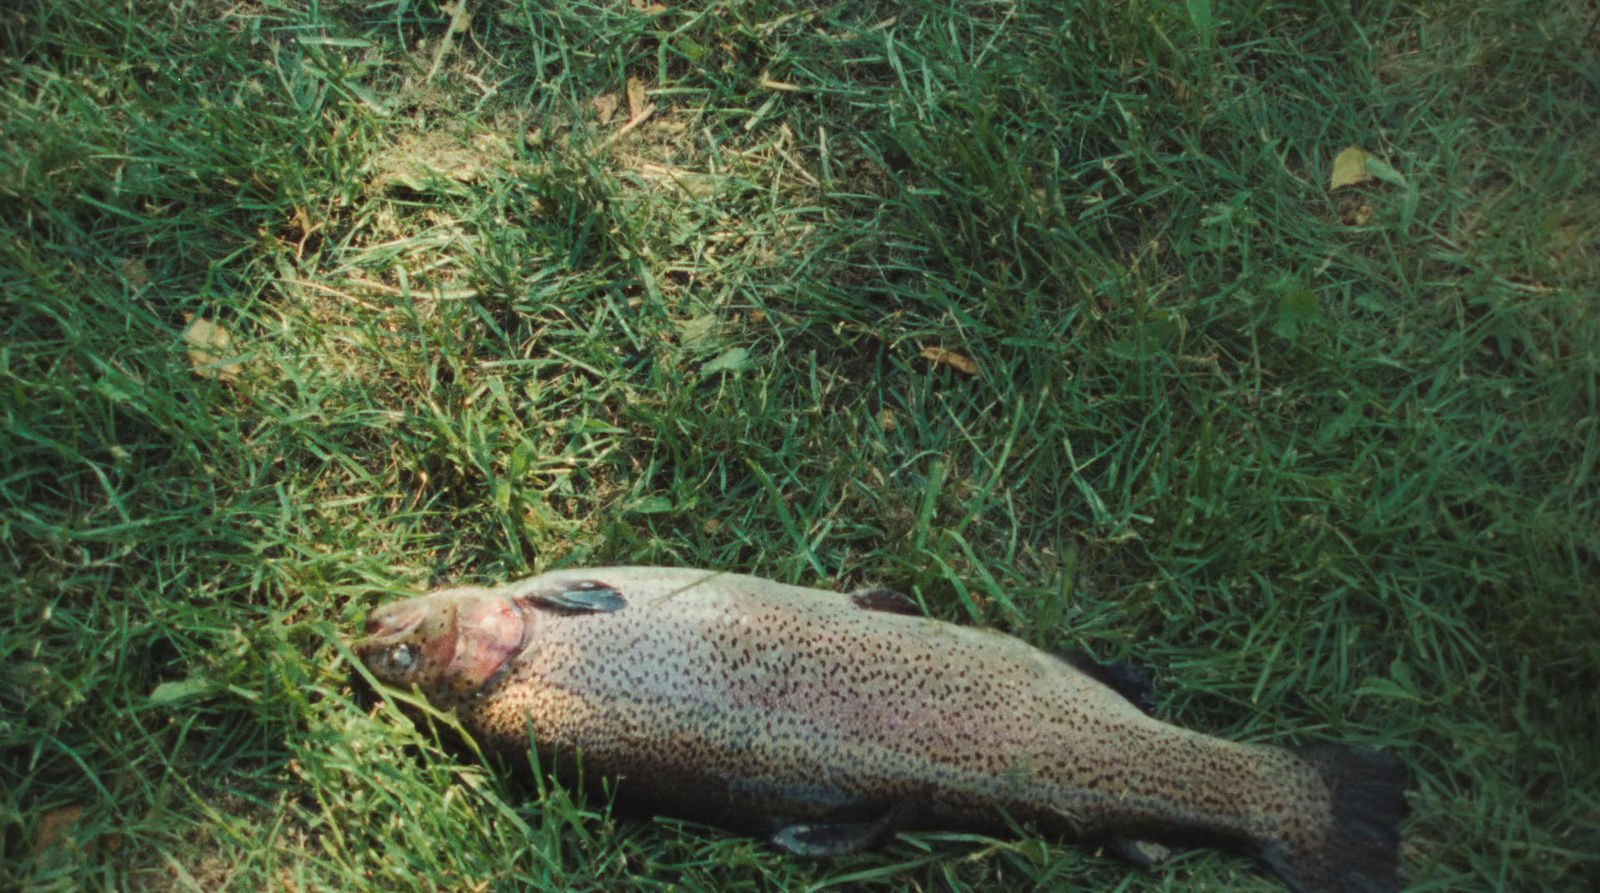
[[606, 106], [1350, 168], [208, 346], [956, 361], [636, 98]]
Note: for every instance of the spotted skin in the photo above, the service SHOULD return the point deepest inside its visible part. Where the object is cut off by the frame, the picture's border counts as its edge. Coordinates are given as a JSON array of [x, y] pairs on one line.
[[743, 700]]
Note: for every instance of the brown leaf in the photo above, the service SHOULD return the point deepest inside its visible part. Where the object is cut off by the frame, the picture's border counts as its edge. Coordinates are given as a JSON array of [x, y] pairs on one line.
[[606, 106], [636, 99], [957, 361], [208, 346], [134, 270], [53, 826], [669, 126]]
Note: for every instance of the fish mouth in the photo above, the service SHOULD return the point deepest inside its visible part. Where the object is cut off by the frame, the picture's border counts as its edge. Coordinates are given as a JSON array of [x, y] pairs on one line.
[[379, 638]]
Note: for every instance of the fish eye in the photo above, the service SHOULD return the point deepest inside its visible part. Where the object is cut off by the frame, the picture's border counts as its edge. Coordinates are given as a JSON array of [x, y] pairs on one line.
[[402, 657]]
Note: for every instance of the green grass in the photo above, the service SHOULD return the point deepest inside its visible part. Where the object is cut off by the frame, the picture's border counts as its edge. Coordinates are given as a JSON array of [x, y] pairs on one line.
[[1327, 461]]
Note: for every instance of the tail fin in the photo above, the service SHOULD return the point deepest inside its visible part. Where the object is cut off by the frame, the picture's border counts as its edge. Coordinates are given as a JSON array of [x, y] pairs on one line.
[[1361, 852]]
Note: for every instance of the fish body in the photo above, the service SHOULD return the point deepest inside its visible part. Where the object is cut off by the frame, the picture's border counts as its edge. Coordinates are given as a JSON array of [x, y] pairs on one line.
[[836, 717]]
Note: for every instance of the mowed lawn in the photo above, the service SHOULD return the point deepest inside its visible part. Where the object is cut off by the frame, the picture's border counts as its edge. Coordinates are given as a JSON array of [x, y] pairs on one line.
[[1047, 313]]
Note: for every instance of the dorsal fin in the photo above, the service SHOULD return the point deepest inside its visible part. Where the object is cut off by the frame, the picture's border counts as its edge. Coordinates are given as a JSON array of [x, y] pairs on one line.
[[1129, 680], [890, 601], [573, 597]]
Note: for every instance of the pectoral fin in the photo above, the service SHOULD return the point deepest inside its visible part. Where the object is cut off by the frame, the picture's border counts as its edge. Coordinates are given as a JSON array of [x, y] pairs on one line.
[[576, 597]]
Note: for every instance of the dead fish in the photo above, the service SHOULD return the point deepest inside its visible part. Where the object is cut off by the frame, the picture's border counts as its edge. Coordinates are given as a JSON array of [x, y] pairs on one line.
[[836, 719]]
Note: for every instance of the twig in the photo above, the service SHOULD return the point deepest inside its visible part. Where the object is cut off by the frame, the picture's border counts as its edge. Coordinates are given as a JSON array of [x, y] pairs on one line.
[[458, 22]]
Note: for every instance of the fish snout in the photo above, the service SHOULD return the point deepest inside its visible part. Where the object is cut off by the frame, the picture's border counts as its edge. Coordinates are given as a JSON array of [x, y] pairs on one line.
[[398, 619], [408, 641]]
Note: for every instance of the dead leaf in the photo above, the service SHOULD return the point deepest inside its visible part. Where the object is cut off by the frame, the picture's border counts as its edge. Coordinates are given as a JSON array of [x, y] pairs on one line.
[[1361, 216], [53, 826], [669, 126], [636, 99], [734, 359], [460, 18], [887, 420], [957, 361], [1350, 168], [433, 163], [209, 344], [606, 106], [700, 333], [134, 270]]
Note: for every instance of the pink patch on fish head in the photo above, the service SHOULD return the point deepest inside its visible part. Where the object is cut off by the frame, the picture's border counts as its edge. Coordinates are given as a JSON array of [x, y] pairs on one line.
[[488, 634]]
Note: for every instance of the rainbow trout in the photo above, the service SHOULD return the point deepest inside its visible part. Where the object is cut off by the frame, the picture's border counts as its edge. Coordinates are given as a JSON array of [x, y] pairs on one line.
[[833, 720]]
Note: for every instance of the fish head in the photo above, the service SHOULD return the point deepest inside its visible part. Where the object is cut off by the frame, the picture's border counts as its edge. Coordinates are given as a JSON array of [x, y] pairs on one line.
[[451, 644]]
